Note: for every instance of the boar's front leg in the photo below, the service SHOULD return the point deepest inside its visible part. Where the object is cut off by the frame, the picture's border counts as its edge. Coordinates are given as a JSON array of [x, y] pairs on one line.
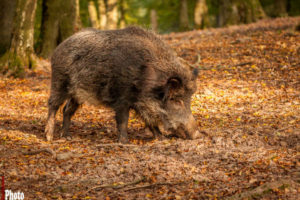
[[122, 116]]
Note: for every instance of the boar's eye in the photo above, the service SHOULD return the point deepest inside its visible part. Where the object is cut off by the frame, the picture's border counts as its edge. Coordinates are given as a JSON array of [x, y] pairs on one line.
[[159, 93]]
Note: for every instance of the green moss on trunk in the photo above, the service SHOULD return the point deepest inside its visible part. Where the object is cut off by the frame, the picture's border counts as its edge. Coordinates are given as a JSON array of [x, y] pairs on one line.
[[11, 64], [20, 53]]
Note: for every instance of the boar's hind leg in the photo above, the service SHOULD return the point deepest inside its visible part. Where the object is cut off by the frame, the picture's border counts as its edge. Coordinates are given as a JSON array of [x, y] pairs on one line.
[[68, 111], [122, 122], [55, 101]]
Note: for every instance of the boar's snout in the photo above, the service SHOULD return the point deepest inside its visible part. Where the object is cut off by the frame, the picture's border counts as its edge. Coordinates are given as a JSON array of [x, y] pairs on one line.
[[189, 129], [194, 135]]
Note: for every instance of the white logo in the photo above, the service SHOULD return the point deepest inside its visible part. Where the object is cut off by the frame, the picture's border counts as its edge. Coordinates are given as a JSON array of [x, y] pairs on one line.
[[10, 195]]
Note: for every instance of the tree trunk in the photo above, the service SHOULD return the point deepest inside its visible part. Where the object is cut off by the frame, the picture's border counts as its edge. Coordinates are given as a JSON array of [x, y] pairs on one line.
[[122, 5], [280, 8], [20, 53], [236, 11], [78, 21], [184, 18], [7, 12], [58, 22], [201, 14], [293, 7], [153, 15], [102, 14], [93, 14], [112, 14], [257, 10]]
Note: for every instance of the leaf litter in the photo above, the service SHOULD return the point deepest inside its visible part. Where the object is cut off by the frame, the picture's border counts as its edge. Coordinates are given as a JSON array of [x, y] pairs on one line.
[[247, 107]]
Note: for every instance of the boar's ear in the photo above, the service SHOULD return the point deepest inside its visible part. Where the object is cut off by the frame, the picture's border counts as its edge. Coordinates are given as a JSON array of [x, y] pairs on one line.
[[173, 84]]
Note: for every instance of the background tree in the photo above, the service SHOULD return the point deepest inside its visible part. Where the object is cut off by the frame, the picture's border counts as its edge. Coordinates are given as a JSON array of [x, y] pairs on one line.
[[293, 7], [184, 18], [153, 20], [280, 8], [93, 14], [236, 12], [7, 13], [19, 52], [201, 14], [102, 13], [58, 23], [78, 24], [122, 9], [112, 14]]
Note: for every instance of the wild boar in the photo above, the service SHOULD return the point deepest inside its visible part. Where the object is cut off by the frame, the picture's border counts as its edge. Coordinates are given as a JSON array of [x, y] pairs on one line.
[[124, 69]]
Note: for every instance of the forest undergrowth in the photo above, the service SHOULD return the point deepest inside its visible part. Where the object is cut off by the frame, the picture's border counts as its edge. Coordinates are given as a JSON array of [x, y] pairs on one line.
[[247, 106]]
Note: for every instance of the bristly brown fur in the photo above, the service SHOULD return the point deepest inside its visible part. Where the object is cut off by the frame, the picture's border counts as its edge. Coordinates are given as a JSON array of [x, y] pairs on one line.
[[122, 69]]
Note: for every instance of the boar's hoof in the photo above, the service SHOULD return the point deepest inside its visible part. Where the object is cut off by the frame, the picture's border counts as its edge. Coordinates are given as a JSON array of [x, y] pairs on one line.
[[68, 137], [123, 140], [159, 137], [148, 133], [49, 135], [195, 135]]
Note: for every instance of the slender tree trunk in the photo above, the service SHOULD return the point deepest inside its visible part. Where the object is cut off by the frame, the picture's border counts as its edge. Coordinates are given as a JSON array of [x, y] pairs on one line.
[[7, 12], [184, 18], [153, 15], [236, 11], [67, 25], [21, 53], [122, 5], [201, 14], [280, 8], [257, 10], [102, 14], [93, 14], [112, 14], [58, 22], [78, 20]]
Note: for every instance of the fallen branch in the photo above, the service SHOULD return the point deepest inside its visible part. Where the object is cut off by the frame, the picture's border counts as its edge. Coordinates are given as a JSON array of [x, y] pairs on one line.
[[43, 150], [242, 64], [116, 186], [152, 185]]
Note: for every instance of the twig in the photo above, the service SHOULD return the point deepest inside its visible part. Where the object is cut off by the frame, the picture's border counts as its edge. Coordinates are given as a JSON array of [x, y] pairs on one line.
[[222, 66], [242, 64], [116, 145], [46, 150], [152, 185], [116, 186]]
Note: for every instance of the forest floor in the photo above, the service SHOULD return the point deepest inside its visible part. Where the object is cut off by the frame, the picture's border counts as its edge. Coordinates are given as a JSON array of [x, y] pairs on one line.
[[247, 107]]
